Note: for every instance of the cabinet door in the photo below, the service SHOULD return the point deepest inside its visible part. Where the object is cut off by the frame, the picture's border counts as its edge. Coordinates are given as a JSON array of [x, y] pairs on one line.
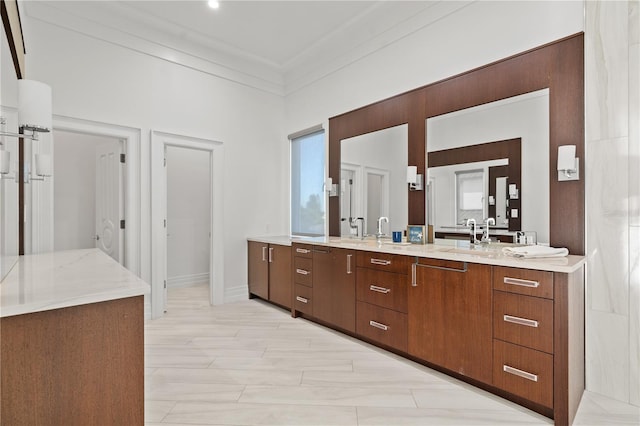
[[334, 287], [450, 317], [258, 274], [280, 275]]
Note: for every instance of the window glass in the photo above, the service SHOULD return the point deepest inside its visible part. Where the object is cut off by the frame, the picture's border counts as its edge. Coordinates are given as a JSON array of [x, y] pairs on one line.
[[307, 185], [470, 195]]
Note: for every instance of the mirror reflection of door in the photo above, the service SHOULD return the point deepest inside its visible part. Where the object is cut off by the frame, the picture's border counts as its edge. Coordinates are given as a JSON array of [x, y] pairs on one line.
[[376, 199], [349, 205], [88, 192]]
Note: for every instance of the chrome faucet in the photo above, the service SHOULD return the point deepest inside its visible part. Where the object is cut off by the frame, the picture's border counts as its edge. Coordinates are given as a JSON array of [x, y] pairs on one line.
[[485, 234], [362, 226], [471, 223], [379, 233]]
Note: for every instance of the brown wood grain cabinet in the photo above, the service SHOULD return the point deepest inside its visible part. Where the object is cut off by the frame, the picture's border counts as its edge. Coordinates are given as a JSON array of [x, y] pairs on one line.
[[450, 321], [80, 365], [334, 287], [269, 274]]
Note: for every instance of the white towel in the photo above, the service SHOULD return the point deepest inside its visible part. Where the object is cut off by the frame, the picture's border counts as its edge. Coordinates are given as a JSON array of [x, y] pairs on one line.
[[531, 252]]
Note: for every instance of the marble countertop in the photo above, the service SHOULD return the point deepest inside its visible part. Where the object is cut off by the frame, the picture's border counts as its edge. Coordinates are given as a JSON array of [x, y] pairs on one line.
[[443, 249], [62, 279]]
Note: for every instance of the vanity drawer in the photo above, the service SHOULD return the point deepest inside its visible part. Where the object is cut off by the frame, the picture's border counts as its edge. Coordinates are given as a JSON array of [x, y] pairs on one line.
[[385, 289], [382, 325], [302, 250], [523, 320], [302, 271], [302, 299], [383, 261], [523, 281], [524, 372]]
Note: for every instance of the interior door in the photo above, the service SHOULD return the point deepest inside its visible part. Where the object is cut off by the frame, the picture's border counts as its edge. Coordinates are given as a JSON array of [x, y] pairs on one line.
[[109, 205]]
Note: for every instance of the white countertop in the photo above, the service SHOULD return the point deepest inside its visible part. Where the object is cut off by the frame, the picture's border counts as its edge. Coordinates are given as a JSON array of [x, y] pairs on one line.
[[62, 279], [443, 249]]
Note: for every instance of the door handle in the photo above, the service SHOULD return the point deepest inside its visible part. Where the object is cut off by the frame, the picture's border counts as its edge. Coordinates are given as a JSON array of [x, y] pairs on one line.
[[96, 237]]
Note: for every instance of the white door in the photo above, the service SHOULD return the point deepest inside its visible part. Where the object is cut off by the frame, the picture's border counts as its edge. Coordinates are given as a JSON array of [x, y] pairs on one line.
[[109, 205]]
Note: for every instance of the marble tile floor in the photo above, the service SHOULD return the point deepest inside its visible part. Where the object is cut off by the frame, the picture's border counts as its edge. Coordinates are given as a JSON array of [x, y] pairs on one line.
[[250, 363]]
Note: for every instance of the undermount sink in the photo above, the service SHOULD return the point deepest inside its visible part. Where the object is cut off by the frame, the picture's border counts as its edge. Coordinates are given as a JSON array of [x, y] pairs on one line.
[[474, 252]]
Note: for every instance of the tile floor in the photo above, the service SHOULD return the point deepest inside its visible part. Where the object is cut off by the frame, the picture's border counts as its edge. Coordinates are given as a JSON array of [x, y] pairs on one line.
[[250, 363]]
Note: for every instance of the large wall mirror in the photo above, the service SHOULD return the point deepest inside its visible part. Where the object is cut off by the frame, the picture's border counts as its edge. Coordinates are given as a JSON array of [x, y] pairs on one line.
[[473, 181], [373, 181], [552, 75]]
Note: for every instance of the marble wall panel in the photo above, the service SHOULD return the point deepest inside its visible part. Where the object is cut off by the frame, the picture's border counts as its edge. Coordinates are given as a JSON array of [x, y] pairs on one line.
[[607, 225], [634, 315], [606, 67], [607, 361], [634, 121]]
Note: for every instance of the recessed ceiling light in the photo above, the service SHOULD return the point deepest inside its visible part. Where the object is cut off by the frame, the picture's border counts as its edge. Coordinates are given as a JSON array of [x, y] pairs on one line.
[[213, 4]]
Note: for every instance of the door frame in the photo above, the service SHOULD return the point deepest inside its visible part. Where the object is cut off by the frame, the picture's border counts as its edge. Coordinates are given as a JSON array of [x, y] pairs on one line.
[[131, 139], [159, 141]]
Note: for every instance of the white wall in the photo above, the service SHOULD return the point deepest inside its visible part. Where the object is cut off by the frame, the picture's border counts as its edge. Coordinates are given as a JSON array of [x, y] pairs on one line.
[[95, 80], [188, 216]]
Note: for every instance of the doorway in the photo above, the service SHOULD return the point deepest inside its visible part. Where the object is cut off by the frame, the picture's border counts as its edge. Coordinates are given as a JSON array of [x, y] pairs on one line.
[[160, 142], [188, 172], [89, 193]]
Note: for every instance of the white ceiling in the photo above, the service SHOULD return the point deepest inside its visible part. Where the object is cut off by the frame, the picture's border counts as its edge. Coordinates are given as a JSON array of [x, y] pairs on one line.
[[277, 45]]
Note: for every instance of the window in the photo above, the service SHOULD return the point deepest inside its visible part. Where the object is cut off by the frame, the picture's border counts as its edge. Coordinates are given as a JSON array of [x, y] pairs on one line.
[[307, 183], [470, 195]]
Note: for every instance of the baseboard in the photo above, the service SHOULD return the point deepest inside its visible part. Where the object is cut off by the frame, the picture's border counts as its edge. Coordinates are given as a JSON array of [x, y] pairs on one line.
[[236, 294], [187, 280]]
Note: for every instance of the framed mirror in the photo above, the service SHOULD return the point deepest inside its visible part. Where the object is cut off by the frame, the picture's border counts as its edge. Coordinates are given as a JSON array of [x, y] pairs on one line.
[[373, 181]]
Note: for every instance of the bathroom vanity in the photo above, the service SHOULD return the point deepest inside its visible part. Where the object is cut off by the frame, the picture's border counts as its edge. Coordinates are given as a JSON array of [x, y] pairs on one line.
[[72, 347], [514, 327]]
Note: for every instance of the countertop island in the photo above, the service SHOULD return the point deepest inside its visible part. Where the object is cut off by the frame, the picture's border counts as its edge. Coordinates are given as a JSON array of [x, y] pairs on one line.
[[72, 346]]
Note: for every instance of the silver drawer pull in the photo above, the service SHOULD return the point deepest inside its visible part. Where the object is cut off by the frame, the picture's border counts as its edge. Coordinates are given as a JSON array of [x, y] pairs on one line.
[[378, 325], [303, 251], [302, 271], [522, 283], [379, 289], [520, 321], [380, 262], [302, 299], [520, 373]]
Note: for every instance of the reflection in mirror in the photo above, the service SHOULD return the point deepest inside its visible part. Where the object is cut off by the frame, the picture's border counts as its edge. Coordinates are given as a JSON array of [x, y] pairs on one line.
[[525, 117], [373, 183]]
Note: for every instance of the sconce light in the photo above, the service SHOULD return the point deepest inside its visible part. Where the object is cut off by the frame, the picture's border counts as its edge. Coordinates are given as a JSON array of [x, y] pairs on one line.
[[5, 164], [414, 179], [34, 109], [42, 167], [331, 188], [568, 163]]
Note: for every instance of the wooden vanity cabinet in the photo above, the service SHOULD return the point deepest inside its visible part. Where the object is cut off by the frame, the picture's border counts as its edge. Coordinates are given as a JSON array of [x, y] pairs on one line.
[[450, 322], [334, 287], [269, 273], [381, 293]]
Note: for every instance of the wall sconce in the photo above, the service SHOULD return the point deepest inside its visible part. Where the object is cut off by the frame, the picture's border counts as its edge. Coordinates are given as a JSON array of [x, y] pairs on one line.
[[414, 179], [42, 167], [568, 163], [34, 110], [5, 164], [331, 188]]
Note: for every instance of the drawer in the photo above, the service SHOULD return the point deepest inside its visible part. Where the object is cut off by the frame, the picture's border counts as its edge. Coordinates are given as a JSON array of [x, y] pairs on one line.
[[523, 281], [302, 271], [302, 299], [382, 325], [523, 320], [383, 261], [302, 250], [524, 372], [385, 289]]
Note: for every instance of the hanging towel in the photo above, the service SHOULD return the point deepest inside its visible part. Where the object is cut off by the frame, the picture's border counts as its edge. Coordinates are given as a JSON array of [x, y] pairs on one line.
[[532, 252]]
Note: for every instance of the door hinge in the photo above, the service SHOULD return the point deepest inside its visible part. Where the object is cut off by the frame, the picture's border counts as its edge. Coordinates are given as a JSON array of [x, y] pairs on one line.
[[165, 283], [165, 223], [164, 162], [122, 224], [123, 158]]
